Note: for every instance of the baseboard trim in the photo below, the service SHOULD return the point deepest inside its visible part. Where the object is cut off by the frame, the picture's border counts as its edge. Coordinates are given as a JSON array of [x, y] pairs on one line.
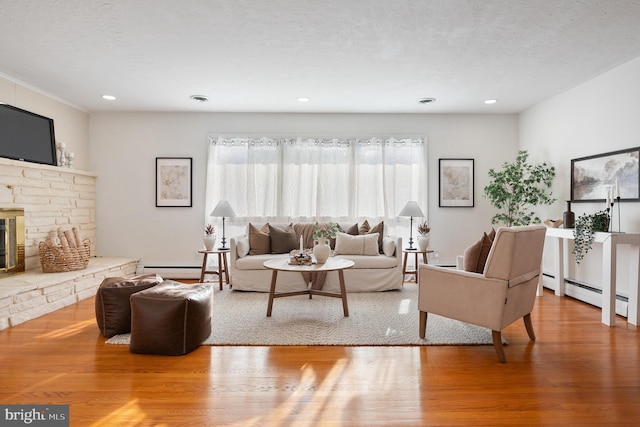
[[171, 271], [588, 294]]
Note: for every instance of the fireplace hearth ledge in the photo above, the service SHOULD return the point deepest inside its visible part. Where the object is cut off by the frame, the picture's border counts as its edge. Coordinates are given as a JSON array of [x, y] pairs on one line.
[[25, 296]]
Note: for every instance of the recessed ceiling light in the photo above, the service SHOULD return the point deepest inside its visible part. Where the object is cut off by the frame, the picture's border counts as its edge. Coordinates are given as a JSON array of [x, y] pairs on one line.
[[490, 101], [304, 99], [109, 97], [426, 100], [199, 98]]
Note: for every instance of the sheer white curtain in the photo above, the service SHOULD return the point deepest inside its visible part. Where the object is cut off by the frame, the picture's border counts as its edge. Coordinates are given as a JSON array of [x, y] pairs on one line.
[[309, 179]]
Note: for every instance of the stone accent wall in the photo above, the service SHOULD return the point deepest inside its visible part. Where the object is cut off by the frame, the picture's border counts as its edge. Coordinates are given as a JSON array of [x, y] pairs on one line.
[[51, 197]]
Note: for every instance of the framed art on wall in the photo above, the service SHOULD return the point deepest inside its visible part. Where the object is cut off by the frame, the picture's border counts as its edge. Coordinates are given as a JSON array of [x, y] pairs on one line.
[[615, 173], [456, 183], [173, 181]]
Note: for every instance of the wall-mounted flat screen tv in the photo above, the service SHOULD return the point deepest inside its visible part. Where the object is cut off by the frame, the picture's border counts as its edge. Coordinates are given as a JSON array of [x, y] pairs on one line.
[[26, 136]]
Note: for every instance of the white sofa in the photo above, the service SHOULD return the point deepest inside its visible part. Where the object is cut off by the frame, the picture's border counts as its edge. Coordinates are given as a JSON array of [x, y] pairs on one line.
[[369, 274]]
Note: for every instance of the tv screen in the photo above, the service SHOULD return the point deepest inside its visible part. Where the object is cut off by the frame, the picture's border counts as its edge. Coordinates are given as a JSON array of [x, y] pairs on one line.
[[26, 136]]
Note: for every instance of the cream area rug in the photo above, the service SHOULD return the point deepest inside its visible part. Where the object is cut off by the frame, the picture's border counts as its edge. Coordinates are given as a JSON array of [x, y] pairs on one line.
[[375, 319]]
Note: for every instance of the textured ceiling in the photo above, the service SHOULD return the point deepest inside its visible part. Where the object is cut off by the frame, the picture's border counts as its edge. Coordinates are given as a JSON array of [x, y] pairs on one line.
[[346, 55]]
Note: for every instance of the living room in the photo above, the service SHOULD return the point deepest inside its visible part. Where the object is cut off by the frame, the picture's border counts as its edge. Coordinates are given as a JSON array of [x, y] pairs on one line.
[[592, 115]]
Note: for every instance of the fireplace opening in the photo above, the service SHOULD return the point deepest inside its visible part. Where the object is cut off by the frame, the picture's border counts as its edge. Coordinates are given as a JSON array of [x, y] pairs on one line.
[[11, 241]]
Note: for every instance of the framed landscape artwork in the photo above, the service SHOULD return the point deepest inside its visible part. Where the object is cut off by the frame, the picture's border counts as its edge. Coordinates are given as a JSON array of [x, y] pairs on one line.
[[456, 183], [593, 177], [173, 181]]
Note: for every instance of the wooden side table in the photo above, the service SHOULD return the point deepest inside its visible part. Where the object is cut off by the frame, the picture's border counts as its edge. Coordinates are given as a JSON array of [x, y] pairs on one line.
[[407, 252], [223, 269]]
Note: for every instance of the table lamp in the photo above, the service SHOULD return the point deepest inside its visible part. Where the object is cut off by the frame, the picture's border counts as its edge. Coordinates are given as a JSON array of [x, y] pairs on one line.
[[411, 209], [223, 209]]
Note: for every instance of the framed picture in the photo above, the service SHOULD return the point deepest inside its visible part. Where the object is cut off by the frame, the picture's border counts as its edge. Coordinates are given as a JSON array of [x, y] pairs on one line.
[[173, 181], [614, 174], [456, 183]]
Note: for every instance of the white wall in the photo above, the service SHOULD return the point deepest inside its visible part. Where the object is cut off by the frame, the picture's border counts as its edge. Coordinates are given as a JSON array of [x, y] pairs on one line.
[[124, 146], [595, 117]]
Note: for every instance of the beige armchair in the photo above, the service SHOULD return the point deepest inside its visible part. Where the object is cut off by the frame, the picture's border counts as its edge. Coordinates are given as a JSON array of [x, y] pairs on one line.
[[504, 292]]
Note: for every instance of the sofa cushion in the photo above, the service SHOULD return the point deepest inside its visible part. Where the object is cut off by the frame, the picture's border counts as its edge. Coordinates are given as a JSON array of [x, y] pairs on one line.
[[283, 240], [259, 240], [475, 256], [370, 262], [255, 262], [357, 245]]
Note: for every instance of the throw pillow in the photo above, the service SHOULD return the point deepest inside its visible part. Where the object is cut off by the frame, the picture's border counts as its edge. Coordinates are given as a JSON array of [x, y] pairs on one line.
[[475, 256], [242, 247], [283, 240], [365, 228], [259, 240], [306, 231], [353, 229], [347, 244], [388, 246]]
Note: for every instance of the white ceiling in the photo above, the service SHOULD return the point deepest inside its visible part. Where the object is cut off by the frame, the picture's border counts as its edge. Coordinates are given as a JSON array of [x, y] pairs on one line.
[[346, 55]]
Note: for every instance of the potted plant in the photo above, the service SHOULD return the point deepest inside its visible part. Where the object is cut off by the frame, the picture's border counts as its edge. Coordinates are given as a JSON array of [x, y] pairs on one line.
[[423, 236], [321, 234], [209, 238], [517, 188], [585, 230]]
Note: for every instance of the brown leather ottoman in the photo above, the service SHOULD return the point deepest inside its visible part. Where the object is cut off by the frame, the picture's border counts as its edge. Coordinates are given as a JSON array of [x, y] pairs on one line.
[[113, 311], [171, 318]]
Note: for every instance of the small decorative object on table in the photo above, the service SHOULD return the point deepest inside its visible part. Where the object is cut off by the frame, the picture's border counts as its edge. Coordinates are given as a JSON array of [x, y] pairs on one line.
[[300, 258], [423, 236], [321, 234], [568, 218], [209, 238]]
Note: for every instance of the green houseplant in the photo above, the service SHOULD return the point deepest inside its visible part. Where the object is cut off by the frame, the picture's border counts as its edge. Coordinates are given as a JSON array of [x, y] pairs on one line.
[[585, 230], [517, 188]]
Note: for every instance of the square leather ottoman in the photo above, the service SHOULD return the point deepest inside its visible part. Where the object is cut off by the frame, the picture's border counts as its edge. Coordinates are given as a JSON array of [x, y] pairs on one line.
[[171, 318], [113, 311]]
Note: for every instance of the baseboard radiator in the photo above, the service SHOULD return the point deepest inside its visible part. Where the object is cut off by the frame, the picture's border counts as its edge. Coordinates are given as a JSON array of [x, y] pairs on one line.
[[171, 272], [588, 294]]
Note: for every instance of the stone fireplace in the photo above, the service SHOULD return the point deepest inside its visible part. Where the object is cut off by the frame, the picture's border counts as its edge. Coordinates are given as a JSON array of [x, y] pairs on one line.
[[11, 241]]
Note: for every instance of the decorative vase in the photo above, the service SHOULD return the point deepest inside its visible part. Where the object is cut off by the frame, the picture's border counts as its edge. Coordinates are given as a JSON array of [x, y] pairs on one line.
[[321, 250], [423, 242], [209, 241], [568, 218]]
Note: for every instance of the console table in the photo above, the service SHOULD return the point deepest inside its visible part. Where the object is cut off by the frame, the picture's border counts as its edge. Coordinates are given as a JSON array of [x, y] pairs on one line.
[[610, 242]]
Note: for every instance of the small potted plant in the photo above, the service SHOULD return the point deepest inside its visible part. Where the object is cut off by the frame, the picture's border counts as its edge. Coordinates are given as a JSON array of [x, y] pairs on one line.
[[321, 234], [423, 236], [585, 230], [209, 238]]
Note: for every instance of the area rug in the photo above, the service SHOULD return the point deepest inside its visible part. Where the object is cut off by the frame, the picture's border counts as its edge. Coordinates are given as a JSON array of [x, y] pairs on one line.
[[375, 319]]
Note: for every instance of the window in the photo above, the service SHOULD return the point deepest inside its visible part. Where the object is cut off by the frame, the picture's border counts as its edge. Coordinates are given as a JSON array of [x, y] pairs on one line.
[[309, 179]]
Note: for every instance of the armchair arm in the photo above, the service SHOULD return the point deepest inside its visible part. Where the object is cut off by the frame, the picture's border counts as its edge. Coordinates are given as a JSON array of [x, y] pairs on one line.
[[462, 295]]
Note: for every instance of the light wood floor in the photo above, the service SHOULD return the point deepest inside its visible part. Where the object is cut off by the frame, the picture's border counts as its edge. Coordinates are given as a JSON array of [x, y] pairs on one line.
[[578, 372]]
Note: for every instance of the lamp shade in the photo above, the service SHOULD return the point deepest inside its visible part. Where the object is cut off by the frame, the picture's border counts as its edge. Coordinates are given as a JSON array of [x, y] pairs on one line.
[[411, 209], [223, 209]]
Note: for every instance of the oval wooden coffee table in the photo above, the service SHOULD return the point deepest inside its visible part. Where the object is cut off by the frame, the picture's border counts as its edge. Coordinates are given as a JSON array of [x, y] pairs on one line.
[[332, 264]]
